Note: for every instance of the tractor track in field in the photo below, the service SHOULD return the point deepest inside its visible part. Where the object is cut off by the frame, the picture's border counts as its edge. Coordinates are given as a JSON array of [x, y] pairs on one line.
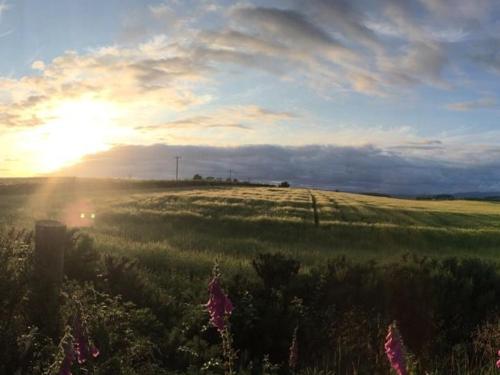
[[314, 206]]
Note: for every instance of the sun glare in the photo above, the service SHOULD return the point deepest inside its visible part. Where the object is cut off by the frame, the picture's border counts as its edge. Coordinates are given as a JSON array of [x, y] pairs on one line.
[[75, 129]]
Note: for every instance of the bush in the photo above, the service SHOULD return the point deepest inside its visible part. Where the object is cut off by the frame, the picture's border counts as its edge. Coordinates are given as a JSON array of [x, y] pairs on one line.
[[275, 270], [81, 260], [448, 312]]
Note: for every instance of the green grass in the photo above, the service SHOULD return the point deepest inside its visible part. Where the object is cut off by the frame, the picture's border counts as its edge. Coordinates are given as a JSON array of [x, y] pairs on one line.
[[189, 228]]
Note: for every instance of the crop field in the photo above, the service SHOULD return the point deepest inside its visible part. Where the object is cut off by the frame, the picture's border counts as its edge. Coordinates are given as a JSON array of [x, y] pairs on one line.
[[362, 261], [233, 224]]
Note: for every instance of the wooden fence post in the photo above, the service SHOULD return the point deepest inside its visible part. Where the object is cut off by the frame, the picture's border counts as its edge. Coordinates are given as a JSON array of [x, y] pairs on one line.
[[50, 240]]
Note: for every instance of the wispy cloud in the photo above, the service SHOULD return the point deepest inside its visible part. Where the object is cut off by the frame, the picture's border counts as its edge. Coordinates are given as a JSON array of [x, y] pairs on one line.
[[336, 42], [237, 117], [486, 53], [481, 103], [4, 6], [6, 33]]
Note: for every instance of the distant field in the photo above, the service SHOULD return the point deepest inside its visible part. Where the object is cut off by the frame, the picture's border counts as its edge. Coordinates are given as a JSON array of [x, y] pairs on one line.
[[191, 227]]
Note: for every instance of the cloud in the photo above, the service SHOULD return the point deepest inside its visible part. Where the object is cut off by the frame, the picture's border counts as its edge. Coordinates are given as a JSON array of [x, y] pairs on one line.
[[38, 65], [312, 58], [339, 45], [237, 117], [486, 53], [161, 11], [365, 168], [419, 63], [285, 43], [195, 122], [289, 26], [481, 103], [4, 6], [333, 46], [459, 9], [6, 33], [345, 17], [153, 73], [426, 145]]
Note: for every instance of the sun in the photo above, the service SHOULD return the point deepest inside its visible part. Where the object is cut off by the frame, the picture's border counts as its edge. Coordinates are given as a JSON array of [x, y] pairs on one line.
[[73, 129]]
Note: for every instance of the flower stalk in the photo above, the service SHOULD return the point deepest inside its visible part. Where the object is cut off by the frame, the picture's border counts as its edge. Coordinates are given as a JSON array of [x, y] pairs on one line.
[[293, 357], [220, 307], [395, 350]]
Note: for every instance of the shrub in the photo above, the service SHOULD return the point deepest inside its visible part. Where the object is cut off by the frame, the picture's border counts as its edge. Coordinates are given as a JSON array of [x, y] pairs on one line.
[[81, 259], [275, 270]]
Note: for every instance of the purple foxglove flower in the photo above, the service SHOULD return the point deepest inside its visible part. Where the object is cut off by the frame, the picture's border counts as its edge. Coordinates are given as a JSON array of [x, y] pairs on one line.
[[219, 305], [294, 351], [94, 351], [394, 349], [81, 341], [498, 361], [69, 356], [83, 349]]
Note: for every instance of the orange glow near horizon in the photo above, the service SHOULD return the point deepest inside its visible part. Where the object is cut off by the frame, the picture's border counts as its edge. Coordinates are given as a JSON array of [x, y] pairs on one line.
[[73, 130]]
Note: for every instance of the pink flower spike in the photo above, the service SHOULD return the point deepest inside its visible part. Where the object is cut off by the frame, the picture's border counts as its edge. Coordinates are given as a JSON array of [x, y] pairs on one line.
[[69, 356], [94, 351], [498, 361], [293, 357], [81, 343], [394, 349], [219, 305]]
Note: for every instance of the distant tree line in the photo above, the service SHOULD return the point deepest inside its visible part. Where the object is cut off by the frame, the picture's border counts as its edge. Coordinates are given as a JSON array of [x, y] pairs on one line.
[[198, 177]]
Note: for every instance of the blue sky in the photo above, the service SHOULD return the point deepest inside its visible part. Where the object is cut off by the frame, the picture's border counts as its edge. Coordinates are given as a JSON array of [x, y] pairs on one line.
[[82, 77]]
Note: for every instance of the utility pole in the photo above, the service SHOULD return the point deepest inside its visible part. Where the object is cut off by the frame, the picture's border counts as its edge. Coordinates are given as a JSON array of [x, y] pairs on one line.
[[230, 174], [177, 167]]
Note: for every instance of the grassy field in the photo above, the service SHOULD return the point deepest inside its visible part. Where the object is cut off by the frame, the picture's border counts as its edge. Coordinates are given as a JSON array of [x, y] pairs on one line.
[[192, 227]]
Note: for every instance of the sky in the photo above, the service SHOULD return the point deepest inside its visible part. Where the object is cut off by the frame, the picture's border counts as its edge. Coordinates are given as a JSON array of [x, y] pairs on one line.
[[415, 82]]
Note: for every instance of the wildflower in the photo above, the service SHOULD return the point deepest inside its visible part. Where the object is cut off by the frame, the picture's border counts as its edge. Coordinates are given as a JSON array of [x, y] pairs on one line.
[[69, 356], [94, 352], [394, 349], [219, 305], [83, 348], [294, 351], [81, 342], [498, 361]]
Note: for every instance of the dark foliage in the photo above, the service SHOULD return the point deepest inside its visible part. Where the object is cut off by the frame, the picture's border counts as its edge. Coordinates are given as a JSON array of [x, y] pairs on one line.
[[275, 270], [445, 309], [81, 260]]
